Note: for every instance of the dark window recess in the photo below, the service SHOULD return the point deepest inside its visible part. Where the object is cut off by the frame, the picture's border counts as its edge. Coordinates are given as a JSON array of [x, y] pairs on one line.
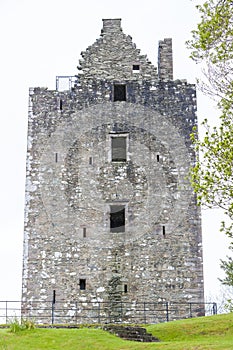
[[90, 161], [117, 218], [119, 92], [84, 232], [157, 157], [119, 149], [125, 288], [136, 67], [60, 104], [56, 157], [82, 284], [164, 231]]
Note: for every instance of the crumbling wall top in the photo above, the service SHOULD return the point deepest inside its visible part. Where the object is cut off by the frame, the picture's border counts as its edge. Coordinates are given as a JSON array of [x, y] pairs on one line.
[[111, 25], [114, 57]]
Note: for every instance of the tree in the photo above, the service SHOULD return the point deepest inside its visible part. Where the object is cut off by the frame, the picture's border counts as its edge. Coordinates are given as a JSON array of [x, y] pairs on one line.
[[212, 176]]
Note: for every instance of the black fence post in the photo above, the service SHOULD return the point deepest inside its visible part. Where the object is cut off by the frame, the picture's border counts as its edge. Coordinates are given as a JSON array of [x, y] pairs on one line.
[[190, 310], [215, 310], [98, 312], [53, 305], [76, 312], [6, 312], [167, 311], [144, 308], [121, 311]]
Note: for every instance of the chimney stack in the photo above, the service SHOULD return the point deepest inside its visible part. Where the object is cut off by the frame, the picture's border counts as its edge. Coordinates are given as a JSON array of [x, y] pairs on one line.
[[165, 61]]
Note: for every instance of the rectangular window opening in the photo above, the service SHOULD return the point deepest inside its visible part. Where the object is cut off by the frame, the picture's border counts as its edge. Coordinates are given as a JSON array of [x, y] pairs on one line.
[[125, 288], [119, 149], [157, 157], [82, 284], [136, 68], [90, 161], [84, 232], [119, 92], [117, 218], [56, 157]]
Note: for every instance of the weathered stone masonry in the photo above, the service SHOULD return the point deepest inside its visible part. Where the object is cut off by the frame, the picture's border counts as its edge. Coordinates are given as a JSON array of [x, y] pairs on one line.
[[105, 229]]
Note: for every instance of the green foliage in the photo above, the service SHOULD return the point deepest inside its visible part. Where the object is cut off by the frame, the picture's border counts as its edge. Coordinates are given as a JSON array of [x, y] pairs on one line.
[[212, 39], [229, 305], [17, 326], [212, 45], [28, 324], [211, 177], [227, 266]]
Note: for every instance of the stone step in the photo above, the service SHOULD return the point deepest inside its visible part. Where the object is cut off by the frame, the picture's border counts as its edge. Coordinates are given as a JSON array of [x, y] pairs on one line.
[[131, 333]]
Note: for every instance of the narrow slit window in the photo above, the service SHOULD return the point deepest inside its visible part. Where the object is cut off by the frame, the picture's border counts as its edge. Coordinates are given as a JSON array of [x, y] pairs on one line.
[[56, 157], [90, 161], [119, 92], [84, 232], [82, 284], [61, 104], [119, 149], [125, 288], [117, 218], [157, 157], [164, 231]]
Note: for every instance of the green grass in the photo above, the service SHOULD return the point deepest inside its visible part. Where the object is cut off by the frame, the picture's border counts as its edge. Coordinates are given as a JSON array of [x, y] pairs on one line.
[[215, 332]]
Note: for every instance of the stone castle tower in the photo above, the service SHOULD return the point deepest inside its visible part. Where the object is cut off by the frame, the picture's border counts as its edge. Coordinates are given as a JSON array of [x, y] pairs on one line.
[[110, 216]]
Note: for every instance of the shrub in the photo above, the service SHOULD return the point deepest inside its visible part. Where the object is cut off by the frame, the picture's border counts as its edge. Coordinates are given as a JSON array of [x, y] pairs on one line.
[[17, 326]]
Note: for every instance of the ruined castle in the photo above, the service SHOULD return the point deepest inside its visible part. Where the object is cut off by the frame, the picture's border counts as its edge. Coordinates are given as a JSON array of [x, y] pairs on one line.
[[110, 216]]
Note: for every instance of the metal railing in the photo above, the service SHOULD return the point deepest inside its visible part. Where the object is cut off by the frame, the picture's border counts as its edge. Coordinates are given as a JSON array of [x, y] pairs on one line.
[[74, 312], [65, 82]]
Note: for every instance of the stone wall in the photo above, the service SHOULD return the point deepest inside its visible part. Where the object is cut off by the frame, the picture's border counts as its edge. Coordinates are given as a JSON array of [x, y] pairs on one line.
[[165, 60], [72, 183]]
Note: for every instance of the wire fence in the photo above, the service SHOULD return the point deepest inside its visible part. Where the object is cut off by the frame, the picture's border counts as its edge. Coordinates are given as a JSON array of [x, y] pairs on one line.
[[74, 312]]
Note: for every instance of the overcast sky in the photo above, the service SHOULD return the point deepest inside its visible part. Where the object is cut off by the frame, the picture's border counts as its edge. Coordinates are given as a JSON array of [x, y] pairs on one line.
[[41, 39]]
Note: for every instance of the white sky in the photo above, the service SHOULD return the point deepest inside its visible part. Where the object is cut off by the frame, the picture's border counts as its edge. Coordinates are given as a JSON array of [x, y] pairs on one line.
[[43, 38]]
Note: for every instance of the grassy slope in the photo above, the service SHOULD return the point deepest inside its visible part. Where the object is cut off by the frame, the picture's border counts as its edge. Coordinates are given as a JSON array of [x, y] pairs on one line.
[[215, 332]]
